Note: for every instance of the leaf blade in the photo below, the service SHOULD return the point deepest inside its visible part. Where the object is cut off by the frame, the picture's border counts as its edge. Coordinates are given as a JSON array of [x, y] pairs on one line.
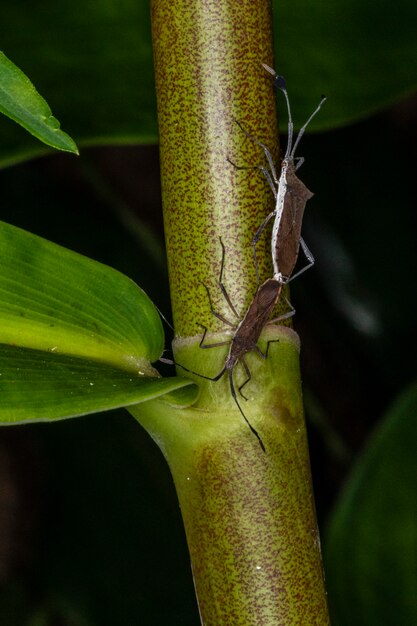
[[53, 299], [20, 101], [40, 386]]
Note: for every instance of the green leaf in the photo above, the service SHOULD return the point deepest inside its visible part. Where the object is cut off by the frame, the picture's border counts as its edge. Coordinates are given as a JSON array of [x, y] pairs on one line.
[[370, 552], [94, 60], [76, 336], [59, 301], [20, 101], [40, 386]]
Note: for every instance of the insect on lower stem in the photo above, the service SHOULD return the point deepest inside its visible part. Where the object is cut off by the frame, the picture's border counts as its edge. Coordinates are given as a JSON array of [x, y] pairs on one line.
[[246, 334]]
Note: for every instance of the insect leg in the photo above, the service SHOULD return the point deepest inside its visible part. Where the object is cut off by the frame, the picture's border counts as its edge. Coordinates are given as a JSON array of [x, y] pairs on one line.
[[248, 377], [264, 355], [214, 379], [233, 392], [263, 147], [310, 259], [262, 168], [210, 345], [223, 288], [300, 161], [204, 346], [268, 344], [256, 238], [284, 316], [215, 313]]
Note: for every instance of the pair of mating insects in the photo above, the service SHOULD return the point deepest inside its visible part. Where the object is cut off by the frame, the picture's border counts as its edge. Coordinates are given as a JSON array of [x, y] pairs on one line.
[[291, 196]]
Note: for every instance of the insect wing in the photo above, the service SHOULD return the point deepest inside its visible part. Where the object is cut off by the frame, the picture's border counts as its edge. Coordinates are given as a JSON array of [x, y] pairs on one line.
[[264, 301], [289, 231]]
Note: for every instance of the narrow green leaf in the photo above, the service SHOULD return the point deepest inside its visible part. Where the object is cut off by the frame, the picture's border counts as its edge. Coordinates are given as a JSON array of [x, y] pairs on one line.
[[39, 386], [94, 60], [58, 301], [20, 101], [370, 548]]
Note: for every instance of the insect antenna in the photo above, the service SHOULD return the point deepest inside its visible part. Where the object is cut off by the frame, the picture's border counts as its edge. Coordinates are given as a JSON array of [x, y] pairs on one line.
[[213, 379], [233, 392], [279, 82], [303, 128]]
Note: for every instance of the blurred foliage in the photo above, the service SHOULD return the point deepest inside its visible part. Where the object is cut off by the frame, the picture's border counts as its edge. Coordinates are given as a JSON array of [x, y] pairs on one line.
[[370, 551], [105, 545], [90, 503]]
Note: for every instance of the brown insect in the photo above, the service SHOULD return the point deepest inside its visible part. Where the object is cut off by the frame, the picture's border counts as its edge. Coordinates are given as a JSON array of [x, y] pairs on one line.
[[246, 334], [291, 197]]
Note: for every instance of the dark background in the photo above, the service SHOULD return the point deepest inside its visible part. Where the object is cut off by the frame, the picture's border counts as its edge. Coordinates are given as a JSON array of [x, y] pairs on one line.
[[90, 529]]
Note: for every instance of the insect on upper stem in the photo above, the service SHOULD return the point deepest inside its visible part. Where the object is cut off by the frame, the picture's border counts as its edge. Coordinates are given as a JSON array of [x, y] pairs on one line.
[[291, 197]]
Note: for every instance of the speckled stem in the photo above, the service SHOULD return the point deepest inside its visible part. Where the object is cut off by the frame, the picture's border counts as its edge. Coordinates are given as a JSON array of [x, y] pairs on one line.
[[249, 515], [208, 56]]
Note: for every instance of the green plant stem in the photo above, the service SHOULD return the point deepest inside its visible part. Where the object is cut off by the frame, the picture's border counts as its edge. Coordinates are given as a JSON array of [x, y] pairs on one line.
[[208, 57], [249, 515]]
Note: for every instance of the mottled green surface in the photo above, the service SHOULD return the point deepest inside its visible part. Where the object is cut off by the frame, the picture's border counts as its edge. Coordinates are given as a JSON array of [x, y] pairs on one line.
[[208, 59], [249, 515]]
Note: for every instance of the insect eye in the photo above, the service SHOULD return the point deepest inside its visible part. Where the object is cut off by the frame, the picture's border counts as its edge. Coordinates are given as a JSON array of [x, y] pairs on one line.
[[280, 82]]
